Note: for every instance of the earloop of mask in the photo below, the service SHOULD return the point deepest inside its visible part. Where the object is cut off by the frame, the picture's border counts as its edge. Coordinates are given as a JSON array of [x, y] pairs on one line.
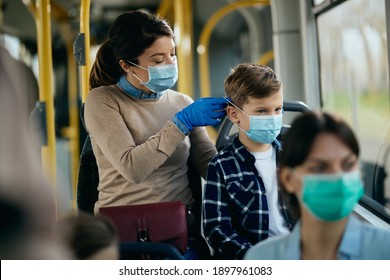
[[136, 65], [235, 106], [237, 109], [138, 78]]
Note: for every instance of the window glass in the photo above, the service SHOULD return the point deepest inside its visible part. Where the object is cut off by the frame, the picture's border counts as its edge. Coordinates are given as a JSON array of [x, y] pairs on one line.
[[317, 2], [355, 82]]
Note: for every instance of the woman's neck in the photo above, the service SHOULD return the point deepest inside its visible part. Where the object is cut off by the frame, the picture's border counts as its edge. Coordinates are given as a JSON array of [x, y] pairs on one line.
[[320, 240]]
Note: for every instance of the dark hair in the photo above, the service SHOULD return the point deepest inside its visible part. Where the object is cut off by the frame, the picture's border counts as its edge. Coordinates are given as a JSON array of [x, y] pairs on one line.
[[299, 139], [129, 36], [251, 80], [86, 234]]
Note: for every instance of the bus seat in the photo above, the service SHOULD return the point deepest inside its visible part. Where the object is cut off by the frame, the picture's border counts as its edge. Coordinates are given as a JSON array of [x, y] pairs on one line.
[[88, 179], [226, 136], [195, 184], [148, 250], [88, 176]]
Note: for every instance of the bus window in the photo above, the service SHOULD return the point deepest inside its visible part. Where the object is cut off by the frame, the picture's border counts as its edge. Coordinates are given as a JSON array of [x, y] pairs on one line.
[[318, 2], [355, 82]]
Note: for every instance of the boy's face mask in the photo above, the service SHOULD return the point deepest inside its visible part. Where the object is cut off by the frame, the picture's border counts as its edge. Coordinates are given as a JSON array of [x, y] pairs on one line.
[[263, 129], [331, 197], [161, 77]]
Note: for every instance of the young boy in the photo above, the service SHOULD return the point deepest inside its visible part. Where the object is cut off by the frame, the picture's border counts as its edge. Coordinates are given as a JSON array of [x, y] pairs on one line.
[[241, 202]]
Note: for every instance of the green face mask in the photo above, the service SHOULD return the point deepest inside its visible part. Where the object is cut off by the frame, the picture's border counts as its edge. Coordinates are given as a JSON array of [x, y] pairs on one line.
[[332, 197]]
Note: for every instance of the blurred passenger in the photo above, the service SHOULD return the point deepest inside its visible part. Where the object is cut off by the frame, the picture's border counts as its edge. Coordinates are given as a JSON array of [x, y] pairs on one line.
[[241, 201], [88, 237], [27, 202], [319, 169], [143, 132]]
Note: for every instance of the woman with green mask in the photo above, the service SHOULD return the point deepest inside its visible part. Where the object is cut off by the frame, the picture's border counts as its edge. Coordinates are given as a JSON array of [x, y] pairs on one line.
[[319, 172]]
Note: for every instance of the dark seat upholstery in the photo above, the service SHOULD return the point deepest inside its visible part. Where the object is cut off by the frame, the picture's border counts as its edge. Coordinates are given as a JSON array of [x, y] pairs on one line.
[[146, 250], [88, 179]]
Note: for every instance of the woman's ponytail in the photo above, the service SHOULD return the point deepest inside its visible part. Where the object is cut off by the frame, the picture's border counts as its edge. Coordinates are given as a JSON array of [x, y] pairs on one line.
[[106, 70]]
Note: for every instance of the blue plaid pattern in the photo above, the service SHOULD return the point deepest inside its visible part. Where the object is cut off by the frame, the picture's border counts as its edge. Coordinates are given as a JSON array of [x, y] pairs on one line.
[[235, 208]]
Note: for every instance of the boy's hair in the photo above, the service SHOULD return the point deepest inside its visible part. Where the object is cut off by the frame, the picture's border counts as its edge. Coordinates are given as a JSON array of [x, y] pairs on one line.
[[251, 80]]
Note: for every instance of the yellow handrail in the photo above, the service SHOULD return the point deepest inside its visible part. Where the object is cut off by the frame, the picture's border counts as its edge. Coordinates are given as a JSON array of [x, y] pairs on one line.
[[266, 58], [43, 23], [84, 28], [72, 131], [183, 35], [202, 47], [164, 7], [205, 35]]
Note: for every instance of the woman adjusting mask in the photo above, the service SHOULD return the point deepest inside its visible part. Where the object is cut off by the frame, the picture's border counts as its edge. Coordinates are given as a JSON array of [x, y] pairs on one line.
[[139, 126]]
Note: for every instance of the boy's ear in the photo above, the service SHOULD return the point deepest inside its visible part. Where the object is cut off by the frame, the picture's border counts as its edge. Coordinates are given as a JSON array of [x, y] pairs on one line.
[[232, 114]]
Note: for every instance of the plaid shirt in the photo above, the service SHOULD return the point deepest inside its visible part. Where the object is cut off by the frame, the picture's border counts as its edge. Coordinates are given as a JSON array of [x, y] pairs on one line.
[[235, 208]]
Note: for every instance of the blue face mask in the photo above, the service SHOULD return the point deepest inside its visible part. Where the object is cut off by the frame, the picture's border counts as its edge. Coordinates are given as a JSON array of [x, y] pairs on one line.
[[161, 77], [332, 197], [263, 129]]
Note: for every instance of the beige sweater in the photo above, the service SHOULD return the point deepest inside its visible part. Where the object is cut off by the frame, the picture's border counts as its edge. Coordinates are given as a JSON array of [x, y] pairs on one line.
[[142, 155]]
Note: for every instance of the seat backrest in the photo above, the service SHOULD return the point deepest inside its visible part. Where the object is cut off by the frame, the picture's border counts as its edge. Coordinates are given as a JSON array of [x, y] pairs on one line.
[[226, 136], [88, 177]]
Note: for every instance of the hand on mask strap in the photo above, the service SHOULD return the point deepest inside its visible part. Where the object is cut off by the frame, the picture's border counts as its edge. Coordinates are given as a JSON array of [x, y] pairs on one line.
[[203, 112]]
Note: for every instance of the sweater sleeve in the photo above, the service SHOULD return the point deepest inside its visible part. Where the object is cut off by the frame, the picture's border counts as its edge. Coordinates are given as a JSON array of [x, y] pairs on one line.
[[107, 128], [202, 149]]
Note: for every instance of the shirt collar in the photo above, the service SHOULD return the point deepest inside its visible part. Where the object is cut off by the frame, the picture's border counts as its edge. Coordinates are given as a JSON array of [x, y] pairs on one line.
[[124, 84], [243, 154], [293, 244], [240, 151], [350, 247]]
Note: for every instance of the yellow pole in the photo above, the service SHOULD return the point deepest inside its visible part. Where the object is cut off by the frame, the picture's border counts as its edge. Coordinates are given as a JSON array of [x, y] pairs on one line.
[[266, 58], [72, 132], [164, 7], [84, 28], [202, 48], [46, 85], [183, 35]]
